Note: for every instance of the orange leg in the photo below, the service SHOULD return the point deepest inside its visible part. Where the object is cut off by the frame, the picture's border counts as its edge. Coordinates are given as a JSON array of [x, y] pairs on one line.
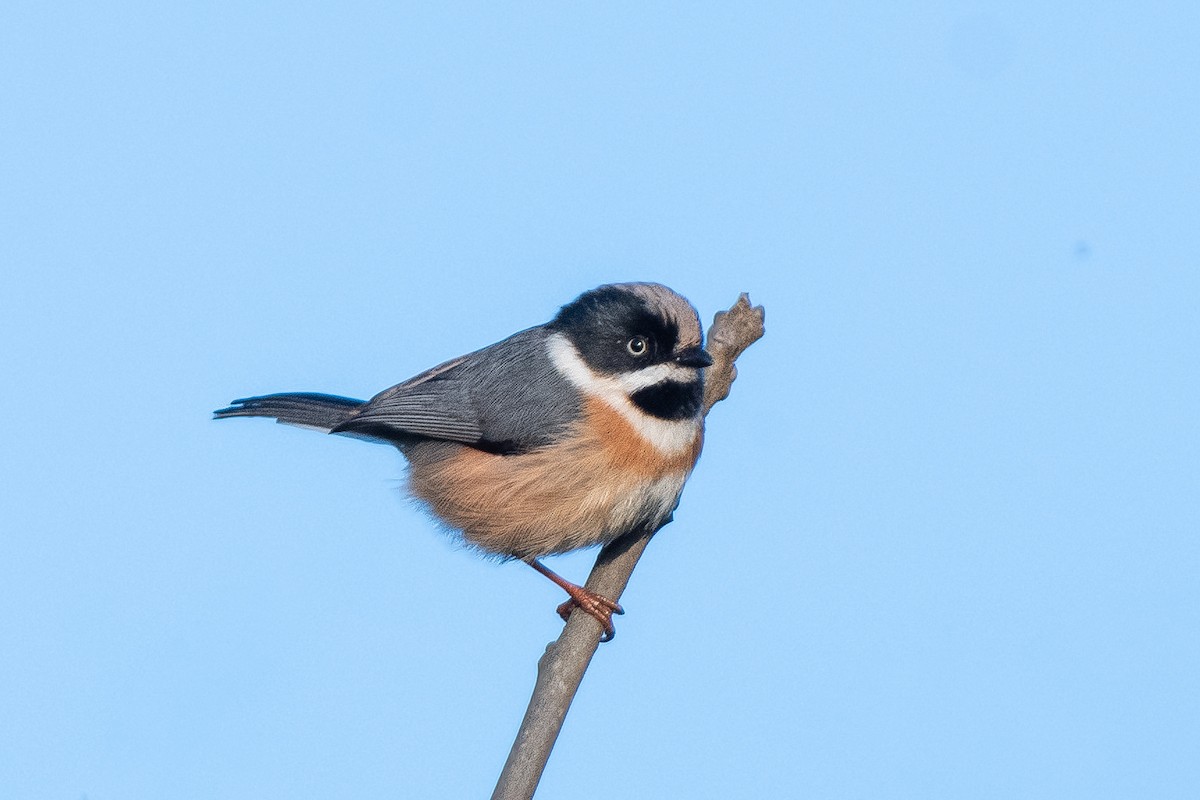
[[597, 605]]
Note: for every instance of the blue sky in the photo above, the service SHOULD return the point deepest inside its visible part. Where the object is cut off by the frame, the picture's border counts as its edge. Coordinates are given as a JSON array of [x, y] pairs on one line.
[[942, 542]]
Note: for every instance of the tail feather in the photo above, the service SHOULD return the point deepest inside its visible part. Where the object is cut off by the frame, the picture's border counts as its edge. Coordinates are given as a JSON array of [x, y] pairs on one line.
[[322, 412]]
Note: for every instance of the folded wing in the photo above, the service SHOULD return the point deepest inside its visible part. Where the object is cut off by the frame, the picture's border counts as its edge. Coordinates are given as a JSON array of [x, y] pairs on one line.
[[506, 398]]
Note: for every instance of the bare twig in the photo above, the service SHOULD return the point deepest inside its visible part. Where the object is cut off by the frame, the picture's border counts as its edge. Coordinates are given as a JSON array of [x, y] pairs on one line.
[[561, 669]]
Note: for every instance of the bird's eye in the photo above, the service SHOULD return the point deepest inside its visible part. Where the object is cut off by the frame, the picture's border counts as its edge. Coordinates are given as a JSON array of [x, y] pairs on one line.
[[637, 346]]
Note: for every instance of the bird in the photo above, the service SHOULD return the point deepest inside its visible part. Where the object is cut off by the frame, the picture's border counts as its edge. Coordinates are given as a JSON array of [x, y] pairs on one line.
[[562, 436]]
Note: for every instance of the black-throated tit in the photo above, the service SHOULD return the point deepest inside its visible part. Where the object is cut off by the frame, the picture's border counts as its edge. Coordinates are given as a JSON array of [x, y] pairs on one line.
[[562, 436]]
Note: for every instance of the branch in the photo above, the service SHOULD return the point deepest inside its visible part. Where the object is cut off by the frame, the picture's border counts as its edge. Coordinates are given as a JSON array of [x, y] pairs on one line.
[[561, 669]]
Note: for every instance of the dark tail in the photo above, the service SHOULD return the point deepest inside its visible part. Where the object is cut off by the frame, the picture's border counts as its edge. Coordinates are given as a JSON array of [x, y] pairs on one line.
[[308, 410]]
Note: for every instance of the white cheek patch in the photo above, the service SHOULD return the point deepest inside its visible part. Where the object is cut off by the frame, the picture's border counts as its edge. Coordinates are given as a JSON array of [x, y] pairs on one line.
[[648, 376], [668, 436]]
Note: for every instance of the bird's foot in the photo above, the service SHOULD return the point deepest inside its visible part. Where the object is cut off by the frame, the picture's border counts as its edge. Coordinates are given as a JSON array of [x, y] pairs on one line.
[[597, 605]]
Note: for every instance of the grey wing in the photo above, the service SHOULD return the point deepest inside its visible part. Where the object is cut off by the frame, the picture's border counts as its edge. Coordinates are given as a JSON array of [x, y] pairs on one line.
[[504, 398]]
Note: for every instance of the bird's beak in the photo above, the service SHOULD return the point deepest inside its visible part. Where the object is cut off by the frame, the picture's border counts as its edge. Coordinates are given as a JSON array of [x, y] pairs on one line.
[[693, 357]]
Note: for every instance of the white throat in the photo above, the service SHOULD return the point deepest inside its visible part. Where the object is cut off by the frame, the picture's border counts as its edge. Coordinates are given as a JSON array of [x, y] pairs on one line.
[[669, 437]]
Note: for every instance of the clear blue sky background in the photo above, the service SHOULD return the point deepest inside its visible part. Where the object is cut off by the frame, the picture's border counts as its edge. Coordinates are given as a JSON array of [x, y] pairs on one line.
[[942, 542]]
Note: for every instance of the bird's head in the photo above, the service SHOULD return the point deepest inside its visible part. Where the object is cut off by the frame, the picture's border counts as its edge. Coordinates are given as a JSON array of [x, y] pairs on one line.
[[641, 339]]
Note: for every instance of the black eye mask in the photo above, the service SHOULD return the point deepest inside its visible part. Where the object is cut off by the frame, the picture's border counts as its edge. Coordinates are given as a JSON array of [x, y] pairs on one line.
[[601, 323]]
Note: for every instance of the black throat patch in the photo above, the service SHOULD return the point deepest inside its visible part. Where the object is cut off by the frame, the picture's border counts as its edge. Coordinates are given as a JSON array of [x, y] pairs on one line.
[[670, 399]]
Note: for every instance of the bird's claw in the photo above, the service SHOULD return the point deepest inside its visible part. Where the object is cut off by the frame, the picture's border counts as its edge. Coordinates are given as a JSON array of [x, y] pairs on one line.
[[597, 605]]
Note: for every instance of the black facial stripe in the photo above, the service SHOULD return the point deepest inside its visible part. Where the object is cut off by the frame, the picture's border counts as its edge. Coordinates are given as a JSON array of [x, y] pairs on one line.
[[601, 322], [670, 399]]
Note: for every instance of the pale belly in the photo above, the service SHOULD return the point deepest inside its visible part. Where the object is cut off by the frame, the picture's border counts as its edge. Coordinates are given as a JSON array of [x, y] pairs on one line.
[[586, 491]]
